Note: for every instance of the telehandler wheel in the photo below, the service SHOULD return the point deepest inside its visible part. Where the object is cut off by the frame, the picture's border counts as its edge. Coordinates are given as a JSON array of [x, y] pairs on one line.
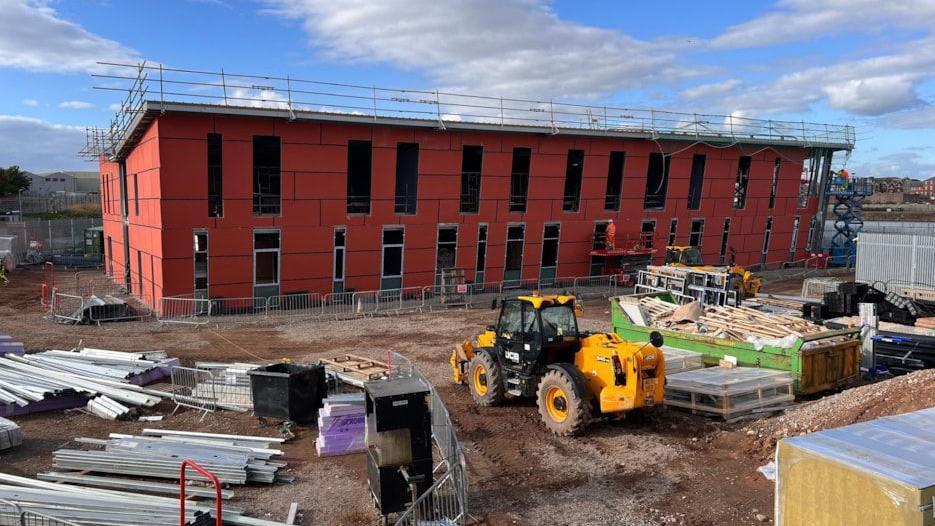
[[485, 379], [562, 411]]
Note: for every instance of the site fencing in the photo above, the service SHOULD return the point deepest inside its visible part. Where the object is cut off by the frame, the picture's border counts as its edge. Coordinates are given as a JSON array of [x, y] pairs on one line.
[[60, 240], [187, 309], [445, 502], [12, 514]]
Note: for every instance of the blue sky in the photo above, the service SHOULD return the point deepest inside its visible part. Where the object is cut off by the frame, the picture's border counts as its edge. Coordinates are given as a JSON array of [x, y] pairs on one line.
[[860, 62]]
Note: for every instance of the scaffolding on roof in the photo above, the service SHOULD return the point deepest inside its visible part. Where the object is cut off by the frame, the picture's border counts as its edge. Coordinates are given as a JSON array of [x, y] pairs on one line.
[[152, 89]]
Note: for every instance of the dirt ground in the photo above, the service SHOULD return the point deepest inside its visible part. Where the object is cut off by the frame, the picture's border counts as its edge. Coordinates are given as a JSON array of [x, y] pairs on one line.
[[664, 467]]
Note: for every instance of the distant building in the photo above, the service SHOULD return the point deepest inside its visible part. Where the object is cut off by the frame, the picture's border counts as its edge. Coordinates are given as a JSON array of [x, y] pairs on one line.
[[64, 182], [925, 188]]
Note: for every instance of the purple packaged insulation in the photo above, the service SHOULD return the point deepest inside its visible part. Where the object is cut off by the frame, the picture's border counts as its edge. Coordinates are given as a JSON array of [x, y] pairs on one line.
[[10, 347], [55, 403]]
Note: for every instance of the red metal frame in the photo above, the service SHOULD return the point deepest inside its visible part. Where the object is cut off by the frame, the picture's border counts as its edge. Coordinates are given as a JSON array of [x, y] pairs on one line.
[[214, 480]]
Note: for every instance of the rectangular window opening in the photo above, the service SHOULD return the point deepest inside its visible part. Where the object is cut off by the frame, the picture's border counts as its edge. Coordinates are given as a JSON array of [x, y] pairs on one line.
[[519, 179], [359, 166], [136, 195], [201, 263], [550, 238], [340, 244], [647, 231], [725, 235], [696, 184], [266, 175], [795, 238], [407, 177], [265, 258], [574, 167], [392, 267], [515, 235], [471, 163], [774, 183], [139, 272], [657, 181], [673, 231], [481, 263], [697, 232], [767, 233], [740, 186], [614, 181], [446, 249], [215, 191]]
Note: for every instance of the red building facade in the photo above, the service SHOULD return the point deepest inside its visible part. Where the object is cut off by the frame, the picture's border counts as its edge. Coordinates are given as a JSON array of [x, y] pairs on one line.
[[221, 204]]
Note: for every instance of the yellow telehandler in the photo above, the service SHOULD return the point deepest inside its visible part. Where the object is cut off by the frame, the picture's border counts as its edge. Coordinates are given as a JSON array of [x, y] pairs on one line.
[[536, 351]]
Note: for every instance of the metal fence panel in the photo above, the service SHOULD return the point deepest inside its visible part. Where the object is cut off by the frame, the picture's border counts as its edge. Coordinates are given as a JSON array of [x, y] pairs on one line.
[[193, 388], [304, 304], [66, 308], [896, 260], [191, 311], [53, 239]]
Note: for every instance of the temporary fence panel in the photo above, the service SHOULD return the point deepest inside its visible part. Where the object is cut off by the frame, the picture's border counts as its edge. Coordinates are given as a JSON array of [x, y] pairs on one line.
[[239, 306], [12, 514], [48, 238], [896, 260], [66, 308], [190, 311], [193, 388], [303, 304]]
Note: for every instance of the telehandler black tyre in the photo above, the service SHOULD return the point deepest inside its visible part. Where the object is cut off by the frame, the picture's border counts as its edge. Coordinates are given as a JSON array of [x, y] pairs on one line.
[[485, 379], [562, 410]]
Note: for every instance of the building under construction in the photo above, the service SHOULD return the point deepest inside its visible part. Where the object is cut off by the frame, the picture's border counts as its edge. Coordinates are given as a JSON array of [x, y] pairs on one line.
[[223, 186]]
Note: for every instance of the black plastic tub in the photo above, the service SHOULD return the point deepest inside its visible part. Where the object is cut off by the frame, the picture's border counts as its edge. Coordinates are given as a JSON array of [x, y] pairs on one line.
[[288, 391]]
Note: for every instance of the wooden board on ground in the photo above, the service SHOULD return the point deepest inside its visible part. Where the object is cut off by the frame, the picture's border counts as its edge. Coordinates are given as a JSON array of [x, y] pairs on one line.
[[355, 370]]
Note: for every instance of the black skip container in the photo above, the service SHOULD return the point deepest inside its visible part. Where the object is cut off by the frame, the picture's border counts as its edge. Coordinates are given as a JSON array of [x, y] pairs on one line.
[[288, 391]]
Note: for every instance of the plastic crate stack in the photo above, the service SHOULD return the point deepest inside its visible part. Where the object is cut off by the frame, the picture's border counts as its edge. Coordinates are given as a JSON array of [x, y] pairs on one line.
[[341, 425]]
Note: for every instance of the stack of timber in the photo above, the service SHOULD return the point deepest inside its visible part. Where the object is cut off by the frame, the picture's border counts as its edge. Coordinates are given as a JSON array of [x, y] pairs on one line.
[[355, 370], [46, 382], [341, 425], [159, 453], [100, 501], [925, 323], [10, 434]]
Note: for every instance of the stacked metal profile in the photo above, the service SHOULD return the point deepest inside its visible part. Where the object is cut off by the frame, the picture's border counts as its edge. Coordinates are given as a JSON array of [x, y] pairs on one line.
[[90, 506], [341, 425], [61, 380], [10, 434], [158, 453]]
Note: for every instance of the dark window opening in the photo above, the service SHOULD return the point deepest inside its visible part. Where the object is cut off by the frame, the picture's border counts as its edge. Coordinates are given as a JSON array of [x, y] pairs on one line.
[[139, 271], [598, 242], [550, 238], [136, 194], [340, 241], [471, 162], [673, 231], [201, 261], [519, 179], [696, 183], [110, 256], [266, 175], [574, 167], [740, 187], [446, 248], [767, 234], [647, 231], [697, 232], [724, 239], [795, 238], [774, 183], [481, 263], [359, 162], [393, 252], [514, 248], [657, 181], [407, 177], [215, 199], [614, 181], [266, 258]]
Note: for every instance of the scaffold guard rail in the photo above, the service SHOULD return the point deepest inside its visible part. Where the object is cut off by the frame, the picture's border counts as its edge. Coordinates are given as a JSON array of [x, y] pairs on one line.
[[147, 85]]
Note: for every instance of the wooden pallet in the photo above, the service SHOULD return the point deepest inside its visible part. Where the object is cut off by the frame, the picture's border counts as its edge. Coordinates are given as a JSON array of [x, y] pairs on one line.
[[355, 370]]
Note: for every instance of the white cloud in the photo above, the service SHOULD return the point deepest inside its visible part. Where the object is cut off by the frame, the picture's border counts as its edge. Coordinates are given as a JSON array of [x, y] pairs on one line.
[[114, 106], [76, 105], [799, 20], [30, 102], [869, 86], [923, 117], [39, 146], [704, 91], [34, 38], [257, 98], [510, 47]]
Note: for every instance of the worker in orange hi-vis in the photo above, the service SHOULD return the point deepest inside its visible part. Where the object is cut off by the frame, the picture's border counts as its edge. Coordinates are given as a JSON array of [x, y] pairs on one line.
[[611, 237]]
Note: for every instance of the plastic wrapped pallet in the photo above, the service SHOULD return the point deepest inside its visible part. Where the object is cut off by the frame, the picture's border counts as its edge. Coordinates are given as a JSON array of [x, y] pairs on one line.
[[680, 360], [729, 392], [10, 434], [880, 472]]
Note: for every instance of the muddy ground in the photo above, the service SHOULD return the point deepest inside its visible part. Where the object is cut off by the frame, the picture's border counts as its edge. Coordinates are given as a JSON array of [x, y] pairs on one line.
[[665, 467]]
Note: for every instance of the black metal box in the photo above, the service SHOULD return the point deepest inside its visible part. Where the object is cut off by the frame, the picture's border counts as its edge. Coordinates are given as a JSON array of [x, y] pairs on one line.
[[288, 391]]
